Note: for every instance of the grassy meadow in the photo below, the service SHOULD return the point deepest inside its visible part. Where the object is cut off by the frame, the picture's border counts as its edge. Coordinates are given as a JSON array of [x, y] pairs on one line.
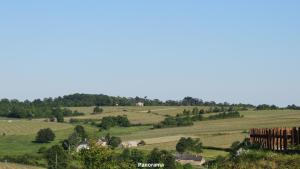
[[20, 134], [17, 166]]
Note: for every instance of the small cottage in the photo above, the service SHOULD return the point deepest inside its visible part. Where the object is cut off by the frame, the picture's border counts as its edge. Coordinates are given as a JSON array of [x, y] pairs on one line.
[[82, 146], [140, 104], [129, 144]]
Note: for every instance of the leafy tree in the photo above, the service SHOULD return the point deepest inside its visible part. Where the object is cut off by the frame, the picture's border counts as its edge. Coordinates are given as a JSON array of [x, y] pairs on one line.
[[189, 144], [162, 156], [98, 157], [45, 135], [114, 142], [137, 156], [81, 131], [58, 115], [74, 139], [57, 158], [65, 144], [111, 121]]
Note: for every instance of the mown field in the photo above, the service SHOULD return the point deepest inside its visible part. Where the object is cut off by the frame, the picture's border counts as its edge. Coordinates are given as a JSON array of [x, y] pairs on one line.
[[19, 134]]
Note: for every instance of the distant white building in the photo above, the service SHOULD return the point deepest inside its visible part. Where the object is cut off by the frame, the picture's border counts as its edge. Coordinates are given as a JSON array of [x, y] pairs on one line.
[[129, 144], [140, 104], [100, 142], [82, 146]]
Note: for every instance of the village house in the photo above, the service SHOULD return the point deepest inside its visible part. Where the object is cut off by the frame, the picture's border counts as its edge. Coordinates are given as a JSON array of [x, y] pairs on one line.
[[82, 146], [101, 142], [189, 158], [140, 104], [129, 144]]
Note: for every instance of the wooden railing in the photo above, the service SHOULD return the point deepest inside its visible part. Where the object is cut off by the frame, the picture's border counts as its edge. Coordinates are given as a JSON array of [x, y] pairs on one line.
[[276, 138]]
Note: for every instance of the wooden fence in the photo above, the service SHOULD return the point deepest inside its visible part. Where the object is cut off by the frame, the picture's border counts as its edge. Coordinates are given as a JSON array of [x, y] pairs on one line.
[[276, 138]]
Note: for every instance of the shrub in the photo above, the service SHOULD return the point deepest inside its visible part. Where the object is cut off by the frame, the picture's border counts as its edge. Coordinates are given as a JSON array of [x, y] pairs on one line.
[[114, 142], [45, 136], [42, 150], [142, 143], [189, 144], [111, 121]]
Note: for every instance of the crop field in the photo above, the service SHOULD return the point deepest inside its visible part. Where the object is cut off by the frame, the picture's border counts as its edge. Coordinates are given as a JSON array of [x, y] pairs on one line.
[[143, 115], [25, 127], [19, 134], [16, 166]]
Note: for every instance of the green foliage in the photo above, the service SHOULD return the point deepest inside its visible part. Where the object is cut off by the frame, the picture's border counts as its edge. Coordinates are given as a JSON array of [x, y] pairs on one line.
[[225, 115], [57, 158], [134, 155], [42, 150], [187, 166], [266, 107], [28, 159], [101, 157], [44, 108], [74, 139], [45, 135], [259, 160], [113, 141], [81, 132], [189, 144], [174, 122], [162, 156], [293, 107], [111, 121], [58, 115]]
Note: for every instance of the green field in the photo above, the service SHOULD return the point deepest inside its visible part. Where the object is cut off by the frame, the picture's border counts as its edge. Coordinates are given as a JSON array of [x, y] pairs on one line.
[[215, 133], [16, 166]]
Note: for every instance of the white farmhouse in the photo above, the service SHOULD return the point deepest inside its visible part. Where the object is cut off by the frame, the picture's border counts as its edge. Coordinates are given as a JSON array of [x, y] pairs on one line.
[[140, 104], [82, 146], [129, 144]]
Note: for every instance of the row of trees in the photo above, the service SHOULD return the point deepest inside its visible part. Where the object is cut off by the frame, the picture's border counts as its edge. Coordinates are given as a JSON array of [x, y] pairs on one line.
[[44, 108], [266, 107], [35, 109], [186, 118]]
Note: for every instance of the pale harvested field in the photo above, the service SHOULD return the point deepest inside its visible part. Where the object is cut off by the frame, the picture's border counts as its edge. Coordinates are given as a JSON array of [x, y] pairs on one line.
[[221, 133], [134, 114]]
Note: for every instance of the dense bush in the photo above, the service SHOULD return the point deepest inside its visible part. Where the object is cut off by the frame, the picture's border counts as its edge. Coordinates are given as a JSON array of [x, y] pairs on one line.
[[189, 144], [111, 121], [174, 122], [293, 107], [57, 158], [113, 141], [266, 107], [225, 115], [257, 159], [28, 159], [45, 135]]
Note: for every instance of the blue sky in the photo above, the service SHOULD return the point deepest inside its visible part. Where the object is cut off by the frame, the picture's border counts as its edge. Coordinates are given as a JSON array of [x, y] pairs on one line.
[[234, 51]]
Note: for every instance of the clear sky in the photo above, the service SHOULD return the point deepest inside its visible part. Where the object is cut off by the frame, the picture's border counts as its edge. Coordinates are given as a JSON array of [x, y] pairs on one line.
[[234, 51]]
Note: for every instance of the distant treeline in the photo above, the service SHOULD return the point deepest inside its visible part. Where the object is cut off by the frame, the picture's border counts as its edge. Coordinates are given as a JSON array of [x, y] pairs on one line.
[[45, 107], [186, 118]]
